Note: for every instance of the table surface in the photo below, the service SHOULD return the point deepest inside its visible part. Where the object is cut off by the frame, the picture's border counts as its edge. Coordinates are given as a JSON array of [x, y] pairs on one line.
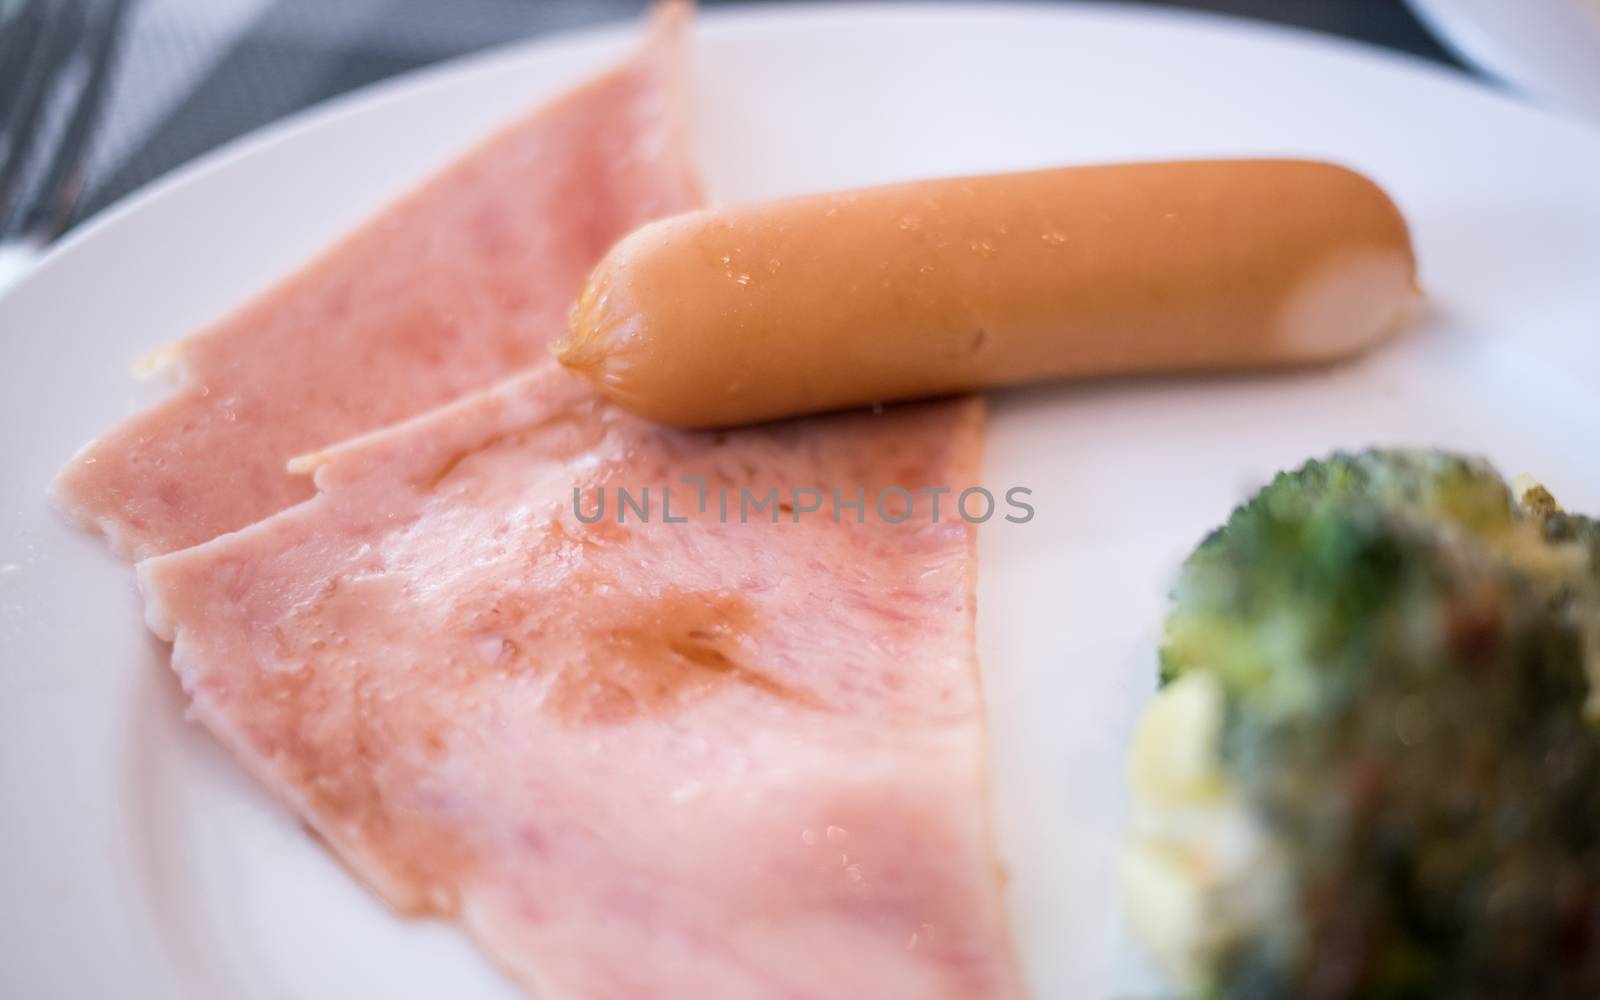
[[196, 73]]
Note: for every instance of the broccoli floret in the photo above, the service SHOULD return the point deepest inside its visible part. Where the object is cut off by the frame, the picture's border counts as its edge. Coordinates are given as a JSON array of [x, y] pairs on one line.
[[1217, 609], [1397, 656], [1569, 532], [1566, 557]]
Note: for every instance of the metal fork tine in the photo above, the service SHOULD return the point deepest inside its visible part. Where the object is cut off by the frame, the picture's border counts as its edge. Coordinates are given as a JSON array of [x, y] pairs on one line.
[[49, 57], [17, 41], [63, 181]]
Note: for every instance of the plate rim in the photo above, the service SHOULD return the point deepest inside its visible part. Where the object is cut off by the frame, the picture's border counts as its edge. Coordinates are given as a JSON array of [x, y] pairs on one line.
[[745, 15], [1464, 35]]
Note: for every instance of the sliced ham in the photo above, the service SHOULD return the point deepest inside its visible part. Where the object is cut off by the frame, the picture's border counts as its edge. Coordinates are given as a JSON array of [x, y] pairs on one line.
[[452, 288], [638, 760]]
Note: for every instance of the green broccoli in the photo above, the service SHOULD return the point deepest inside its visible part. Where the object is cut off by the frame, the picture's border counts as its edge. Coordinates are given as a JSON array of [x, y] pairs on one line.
[[1575, 540], [1371, 772], [1217, 606]]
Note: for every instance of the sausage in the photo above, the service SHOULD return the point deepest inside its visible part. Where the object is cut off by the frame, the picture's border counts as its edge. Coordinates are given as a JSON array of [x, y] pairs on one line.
[[753, 312]]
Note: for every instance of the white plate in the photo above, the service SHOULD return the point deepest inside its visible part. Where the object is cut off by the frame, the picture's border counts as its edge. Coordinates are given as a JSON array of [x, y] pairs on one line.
[[138, 861], [1549, 49]]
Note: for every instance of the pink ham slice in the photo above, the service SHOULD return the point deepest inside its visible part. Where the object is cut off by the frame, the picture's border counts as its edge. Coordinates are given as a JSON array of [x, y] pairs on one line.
[[702, 759], [454, 287]]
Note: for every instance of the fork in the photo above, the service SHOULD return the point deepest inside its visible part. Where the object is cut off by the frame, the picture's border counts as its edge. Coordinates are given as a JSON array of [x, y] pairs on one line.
[[56, 58]]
